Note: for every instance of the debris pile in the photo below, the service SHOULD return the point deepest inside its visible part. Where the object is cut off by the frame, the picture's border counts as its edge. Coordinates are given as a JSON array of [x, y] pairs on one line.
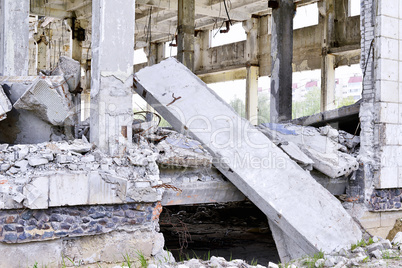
[[38, 100], [25, 168], [329, 154], [372, 252]]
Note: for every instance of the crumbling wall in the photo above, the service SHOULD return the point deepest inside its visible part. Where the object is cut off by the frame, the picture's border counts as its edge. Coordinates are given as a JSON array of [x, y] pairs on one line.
[[381, 125], [70, 199]]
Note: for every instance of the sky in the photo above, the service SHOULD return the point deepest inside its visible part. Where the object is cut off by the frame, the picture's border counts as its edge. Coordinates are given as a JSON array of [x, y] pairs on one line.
[[305, 16]]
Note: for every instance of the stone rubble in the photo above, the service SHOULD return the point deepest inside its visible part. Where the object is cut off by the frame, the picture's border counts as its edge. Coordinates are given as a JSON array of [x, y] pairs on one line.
[[327, 148], [5, 104], [381, 253], [25, 168]]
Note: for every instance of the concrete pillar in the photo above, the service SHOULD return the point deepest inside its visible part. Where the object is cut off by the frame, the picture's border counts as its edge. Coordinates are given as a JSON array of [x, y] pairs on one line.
[[112, 74], [327, 20], [252, 51], [328, 101], [185, 36], [252, 94], [155, 53], [201, 46], [14, 37], [281, 58], [42, 55]]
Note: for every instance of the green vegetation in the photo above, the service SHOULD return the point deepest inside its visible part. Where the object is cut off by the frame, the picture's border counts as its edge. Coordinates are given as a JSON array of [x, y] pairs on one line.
[[309, 106], [362, 243], [310, 261], [254, 262], [239, 106], [143, 261]]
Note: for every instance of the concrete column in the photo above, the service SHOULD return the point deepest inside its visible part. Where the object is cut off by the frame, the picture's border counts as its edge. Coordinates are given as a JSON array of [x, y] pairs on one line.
[[327, 20], [155, 53], [42, 55], [252, 51], [14, 37], [281, 58], [201, 46], [328, 101], [112, 74], [252, 94], [185, 36]]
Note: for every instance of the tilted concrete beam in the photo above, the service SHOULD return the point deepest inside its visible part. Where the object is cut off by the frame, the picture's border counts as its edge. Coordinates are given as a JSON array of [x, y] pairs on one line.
[[288, 195]]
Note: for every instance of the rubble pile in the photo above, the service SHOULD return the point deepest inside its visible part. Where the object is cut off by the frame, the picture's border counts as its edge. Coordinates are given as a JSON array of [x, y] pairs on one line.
[[22, 165], [329, 154], [372, 252]]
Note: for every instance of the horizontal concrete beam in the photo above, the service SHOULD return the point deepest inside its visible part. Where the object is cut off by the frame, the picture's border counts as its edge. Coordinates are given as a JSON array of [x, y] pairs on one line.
[[329, 116], [202, 193]]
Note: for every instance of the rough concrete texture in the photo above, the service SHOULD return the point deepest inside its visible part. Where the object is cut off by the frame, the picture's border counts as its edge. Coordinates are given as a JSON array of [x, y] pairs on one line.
[[321, 145], [110, 248], [26, 255], [112, 70], [265, 174], [74, 173], [14, 40], [5, 104], [48, 100], [281, 62], [42, 106], [71, 71]]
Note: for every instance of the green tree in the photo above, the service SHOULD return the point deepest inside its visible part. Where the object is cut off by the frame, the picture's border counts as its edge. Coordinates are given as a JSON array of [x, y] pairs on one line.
[[239, 106], [263, 108], [309, 106], [346, 101]]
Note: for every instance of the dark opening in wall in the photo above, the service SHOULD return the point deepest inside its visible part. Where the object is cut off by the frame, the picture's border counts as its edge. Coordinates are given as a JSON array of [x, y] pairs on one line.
[[233, 231]]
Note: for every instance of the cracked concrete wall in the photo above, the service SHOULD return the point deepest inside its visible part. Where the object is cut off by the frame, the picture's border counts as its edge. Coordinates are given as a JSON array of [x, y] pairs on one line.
[[380, 110], [112, 70], [14, 40]]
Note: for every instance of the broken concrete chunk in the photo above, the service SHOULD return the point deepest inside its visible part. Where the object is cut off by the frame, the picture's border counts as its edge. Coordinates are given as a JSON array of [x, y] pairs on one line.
[[46, 102], [296, 154], [178, 150], [77, 146], [138, 160], [71, 70], [22, 164], [320, 145], [3, 147], [5, 104], [36, 193], [37, 161]]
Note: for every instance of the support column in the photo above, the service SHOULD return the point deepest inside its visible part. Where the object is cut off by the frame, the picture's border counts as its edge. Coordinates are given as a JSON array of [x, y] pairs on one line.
[[252, 51], [112, 74], [281, 58], [327, 20], [42, 54], [252, 94], [14, 37], [155, 53], [185, 36], [328, 101]]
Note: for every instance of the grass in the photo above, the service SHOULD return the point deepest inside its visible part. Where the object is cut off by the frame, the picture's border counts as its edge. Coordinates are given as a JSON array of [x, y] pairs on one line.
[[386, 254], [254, 262], [143, 261], [310, 262], [362, 243]]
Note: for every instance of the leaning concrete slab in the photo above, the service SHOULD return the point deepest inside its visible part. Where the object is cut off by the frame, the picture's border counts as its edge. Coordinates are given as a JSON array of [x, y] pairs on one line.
[[5, 104], [47, 101], [288, 195]]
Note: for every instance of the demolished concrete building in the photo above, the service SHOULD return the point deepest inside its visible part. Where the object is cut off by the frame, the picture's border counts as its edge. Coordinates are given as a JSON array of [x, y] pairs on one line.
[[79, 179]]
